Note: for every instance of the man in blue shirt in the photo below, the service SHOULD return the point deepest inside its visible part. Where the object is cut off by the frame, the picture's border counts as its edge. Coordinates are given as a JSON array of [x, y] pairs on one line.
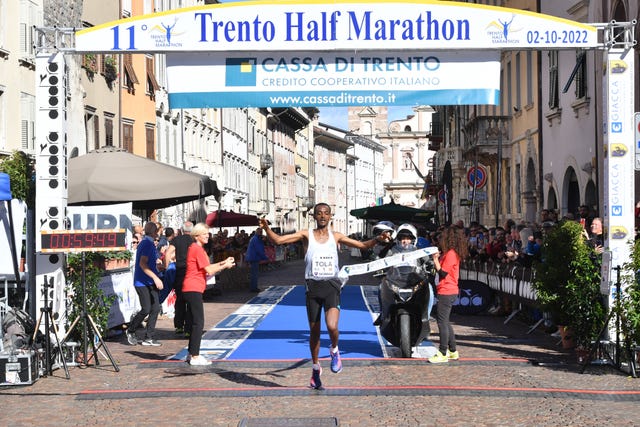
[[255, 254], [147, 283]]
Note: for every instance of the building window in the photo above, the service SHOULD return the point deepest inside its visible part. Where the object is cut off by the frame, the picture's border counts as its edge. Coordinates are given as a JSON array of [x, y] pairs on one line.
[[150, 139], [130, 77], [28, 19], [581, 75], [3, 113], [127, 137], [509, 89], [554, 99], [92, 128], [518, 82], [529, 78], [27, 122], [508, 189], [518, 184], [152, 83], [108, 131]]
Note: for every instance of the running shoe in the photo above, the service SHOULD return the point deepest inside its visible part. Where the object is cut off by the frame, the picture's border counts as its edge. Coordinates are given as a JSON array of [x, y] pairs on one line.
[[438, 358], [179, 331], [315, 381], [152, 343], [453, 355], [199, 361], [132, 339], [336, 363]]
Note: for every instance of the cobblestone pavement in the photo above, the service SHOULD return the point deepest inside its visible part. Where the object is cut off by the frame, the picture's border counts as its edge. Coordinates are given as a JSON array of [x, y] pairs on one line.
[[505, 377]]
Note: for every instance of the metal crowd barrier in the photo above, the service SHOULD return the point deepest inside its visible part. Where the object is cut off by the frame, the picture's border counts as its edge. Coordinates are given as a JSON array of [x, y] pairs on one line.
[[510, 279]]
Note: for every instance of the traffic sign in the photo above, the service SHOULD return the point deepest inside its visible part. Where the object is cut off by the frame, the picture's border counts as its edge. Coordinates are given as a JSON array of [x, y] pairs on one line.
[[442, 197], [477, 175]]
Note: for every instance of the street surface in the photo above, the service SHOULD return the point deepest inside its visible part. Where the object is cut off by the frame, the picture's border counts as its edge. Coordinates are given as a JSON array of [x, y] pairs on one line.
[[504, 377]]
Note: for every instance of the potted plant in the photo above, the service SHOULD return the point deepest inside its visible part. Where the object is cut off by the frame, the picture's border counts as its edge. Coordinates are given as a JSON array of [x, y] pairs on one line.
[[90, 63], [114, 260], [110, 68], [98, 304], [19, 167], [629, 304], [567, 283]]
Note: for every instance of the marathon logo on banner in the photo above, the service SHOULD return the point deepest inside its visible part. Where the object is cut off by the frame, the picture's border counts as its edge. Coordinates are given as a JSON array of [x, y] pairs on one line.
[[51, 144]]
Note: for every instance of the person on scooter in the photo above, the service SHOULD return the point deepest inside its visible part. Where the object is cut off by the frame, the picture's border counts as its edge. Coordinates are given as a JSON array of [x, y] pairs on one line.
[[405, 239], [385, 231], [454, 246]]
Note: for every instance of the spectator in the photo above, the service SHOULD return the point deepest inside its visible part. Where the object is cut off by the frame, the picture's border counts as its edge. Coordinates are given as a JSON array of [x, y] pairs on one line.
[[453, 246], [147, 284], [254, 255], [194, 285], [596, 238], [178, 249]]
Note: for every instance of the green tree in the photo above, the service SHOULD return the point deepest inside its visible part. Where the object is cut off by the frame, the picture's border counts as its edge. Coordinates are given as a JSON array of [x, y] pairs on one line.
[[98, 304], [567, 282], [19, 167]]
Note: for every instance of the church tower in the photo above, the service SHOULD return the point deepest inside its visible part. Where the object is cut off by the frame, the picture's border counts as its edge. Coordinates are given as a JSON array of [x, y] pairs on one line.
[[368, 121]]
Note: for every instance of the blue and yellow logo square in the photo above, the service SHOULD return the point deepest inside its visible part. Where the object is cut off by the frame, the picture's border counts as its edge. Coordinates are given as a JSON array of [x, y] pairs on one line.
[[240, 72]]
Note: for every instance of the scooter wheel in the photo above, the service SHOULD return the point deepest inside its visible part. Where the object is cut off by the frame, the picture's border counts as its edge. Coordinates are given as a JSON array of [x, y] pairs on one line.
[[405, 335]]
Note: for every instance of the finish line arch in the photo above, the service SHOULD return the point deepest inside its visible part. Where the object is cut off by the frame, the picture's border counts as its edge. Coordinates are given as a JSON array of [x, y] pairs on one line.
[[240, 37]]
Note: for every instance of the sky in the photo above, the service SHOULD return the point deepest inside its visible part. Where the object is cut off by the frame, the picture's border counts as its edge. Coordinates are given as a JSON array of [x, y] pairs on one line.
[[337, 116]]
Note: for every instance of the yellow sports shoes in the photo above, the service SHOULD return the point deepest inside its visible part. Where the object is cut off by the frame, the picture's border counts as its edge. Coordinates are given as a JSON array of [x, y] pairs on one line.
[[438, 358], [453, 355]]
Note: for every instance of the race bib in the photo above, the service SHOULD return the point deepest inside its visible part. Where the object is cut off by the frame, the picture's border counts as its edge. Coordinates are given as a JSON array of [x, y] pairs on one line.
[[322, 266]]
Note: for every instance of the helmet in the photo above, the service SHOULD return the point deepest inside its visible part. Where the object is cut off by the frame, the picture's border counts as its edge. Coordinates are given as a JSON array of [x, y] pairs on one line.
[[383, 226], [407, 230]]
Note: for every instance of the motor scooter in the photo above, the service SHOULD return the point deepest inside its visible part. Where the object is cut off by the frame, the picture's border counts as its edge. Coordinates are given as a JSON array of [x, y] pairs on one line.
[[406, 299]]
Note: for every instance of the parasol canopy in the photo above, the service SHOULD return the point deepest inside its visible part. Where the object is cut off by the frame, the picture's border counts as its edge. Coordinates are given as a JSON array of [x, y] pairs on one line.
[[392, 212], [110, 175], [224, 218]]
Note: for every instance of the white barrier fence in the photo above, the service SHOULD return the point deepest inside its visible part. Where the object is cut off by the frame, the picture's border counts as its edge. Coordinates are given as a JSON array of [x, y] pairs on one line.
[[512, 280]]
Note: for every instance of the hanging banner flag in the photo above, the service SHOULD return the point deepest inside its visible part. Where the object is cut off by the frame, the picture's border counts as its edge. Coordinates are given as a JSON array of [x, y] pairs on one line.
[[619, 142], [380, 264], [336, 25], [207, 80]]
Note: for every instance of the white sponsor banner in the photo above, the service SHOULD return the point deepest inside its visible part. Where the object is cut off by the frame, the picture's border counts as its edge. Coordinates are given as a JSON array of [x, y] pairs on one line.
[[19, 216], [207, 80], [619, 142], [100, 217], [356, 269], [336, 25]]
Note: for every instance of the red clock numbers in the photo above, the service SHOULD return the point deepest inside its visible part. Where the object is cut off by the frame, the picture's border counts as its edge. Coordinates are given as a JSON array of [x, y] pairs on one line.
[[83, 240]]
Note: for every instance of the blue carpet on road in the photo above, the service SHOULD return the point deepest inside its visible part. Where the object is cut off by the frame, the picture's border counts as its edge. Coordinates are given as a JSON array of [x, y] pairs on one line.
[[284, 333]]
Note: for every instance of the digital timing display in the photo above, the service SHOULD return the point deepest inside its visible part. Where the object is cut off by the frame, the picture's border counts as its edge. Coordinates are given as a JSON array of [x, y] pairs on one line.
[[83, 240]]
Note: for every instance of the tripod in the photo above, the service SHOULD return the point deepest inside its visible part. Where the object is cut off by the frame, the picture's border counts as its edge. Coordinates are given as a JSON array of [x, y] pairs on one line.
[[87, 320], [45, 312], [604, 333]]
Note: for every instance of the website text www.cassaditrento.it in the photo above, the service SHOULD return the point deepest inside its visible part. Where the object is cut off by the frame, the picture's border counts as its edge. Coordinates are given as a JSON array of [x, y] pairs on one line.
[[343, 98]]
